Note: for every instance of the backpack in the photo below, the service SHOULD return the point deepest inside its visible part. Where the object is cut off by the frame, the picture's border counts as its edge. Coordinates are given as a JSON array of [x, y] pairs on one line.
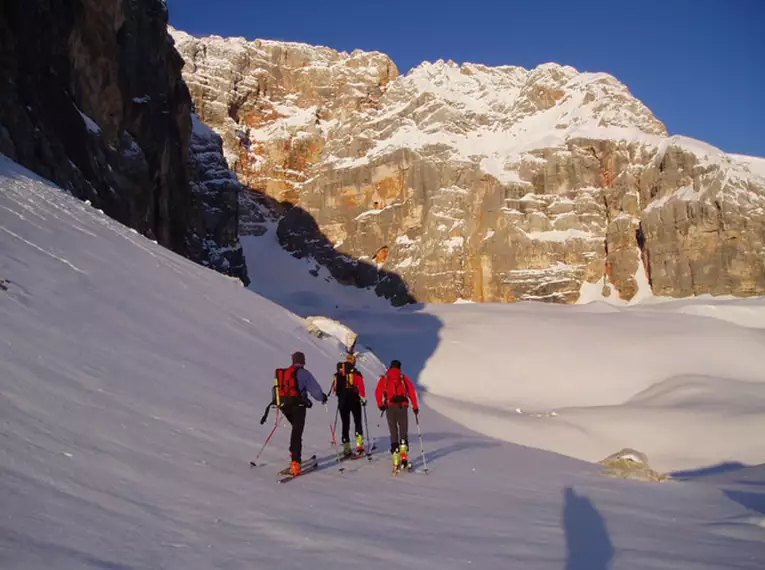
[[286, 390], [346, 378], [395, 389]]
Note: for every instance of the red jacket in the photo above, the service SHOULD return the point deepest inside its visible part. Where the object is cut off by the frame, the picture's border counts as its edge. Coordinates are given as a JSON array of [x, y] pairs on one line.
[[395, 388]]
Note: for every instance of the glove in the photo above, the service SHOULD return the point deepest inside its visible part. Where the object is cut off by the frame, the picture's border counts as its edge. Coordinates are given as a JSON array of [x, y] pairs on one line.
[[363, 401], [416, 411], [381, 408], [324, 399]]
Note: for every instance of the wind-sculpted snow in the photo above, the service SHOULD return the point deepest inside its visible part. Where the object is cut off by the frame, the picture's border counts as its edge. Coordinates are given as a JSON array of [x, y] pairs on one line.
[[131, 383]]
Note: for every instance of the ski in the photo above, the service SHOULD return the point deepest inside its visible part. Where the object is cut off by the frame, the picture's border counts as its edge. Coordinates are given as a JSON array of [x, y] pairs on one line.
[[306, 470], [286, 469], [304, 465], [353, 456]]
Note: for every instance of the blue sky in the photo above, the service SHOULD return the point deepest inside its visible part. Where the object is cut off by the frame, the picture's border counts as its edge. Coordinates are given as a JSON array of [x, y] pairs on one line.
[[698, 64]]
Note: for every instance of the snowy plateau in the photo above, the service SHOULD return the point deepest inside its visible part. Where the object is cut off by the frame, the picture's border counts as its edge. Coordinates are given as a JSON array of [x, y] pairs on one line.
[[132, 380]]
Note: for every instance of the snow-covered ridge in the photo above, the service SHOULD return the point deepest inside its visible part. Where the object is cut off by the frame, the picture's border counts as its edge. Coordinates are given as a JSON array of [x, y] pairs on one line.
[[239, 43], [309, 59], [493, 114]]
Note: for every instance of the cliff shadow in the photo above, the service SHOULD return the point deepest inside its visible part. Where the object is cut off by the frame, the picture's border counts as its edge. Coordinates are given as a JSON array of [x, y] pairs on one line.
[[299, 234], [588, 545], [383, 311]]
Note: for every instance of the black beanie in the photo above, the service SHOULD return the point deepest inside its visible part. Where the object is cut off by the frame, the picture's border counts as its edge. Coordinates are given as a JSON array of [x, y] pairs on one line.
[[395, 364]]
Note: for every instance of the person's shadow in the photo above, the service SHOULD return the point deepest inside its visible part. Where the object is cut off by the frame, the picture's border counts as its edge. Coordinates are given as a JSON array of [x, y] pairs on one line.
[[588, 546]]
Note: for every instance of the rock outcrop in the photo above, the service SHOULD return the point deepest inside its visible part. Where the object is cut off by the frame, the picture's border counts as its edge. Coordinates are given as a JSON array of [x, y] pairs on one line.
[[631, 464], [481, 183], [92, 98]]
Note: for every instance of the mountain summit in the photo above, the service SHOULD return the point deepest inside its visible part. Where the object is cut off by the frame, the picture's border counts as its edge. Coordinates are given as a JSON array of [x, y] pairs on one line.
[[484, 183]]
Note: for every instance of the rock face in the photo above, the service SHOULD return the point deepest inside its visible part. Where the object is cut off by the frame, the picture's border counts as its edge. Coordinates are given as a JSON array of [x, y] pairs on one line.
[[481, 183], [213, 238], [92, 98]]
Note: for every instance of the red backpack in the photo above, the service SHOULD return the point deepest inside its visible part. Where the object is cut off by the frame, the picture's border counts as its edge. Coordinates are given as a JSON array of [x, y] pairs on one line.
[[286, 386], [395, 388]]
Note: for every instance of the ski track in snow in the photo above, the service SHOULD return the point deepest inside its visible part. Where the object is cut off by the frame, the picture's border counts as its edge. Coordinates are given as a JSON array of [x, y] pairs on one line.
[[129, 406]]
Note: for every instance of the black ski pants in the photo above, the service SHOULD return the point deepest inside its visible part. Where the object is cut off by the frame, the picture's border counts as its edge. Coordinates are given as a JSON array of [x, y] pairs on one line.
[[348, 405], [296, 416], [398, 424]]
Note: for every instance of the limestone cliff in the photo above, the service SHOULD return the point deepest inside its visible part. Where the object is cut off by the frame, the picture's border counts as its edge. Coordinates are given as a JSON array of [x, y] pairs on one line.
[[92, 98], [484, 183]]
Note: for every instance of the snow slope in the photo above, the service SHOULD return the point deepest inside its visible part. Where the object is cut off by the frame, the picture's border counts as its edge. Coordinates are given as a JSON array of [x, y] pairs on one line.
[[131, 382]]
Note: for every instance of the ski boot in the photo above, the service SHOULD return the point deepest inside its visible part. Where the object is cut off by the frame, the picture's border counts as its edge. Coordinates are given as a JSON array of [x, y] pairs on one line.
[[396, 461], [359, 444], [347, 452], [405, 455], [295, 468]]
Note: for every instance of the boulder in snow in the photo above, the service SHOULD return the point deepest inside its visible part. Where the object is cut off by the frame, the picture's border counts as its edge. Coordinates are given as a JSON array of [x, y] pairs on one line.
[[322, 327], [631, 464]]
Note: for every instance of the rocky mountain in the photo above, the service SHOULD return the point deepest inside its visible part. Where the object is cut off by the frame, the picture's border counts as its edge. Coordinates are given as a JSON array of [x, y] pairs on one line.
[[483, 183], [92, 98]]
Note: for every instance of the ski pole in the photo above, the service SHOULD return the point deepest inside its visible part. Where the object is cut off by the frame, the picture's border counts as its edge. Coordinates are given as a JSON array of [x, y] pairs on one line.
[[254, 462], [333, 388], [334, 439], [422, 449], [370, 443], [334, 427]]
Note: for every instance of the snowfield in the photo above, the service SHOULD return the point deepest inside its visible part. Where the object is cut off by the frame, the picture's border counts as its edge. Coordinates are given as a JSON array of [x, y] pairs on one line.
[[581, 380], [132, 381]]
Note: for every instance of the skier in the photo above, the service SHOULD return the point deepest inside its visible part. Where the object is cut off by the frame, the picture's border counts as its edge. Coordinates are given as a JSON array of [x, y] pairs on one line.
[[393, 394], [291, 389], [351, 396]]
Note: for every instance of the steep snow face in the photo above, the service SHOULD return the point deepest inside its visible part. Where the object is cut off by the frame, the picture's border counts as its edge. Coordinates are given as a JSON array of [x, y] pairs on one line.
[[129, 398]]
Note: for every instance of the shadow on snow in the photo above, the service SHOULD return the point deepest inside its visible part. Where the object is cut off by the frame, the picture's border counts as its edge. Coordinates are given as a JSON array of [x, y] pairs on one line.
[[588, 545]]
